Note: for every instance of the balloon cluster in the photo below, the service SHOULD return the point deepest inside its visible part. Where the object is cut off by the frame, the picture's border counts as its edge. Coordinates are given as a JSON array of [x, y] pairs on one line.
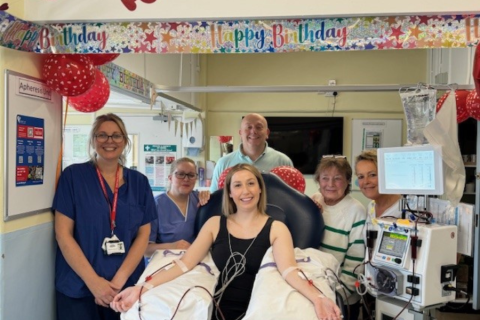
[[467, 104], [76, 76]]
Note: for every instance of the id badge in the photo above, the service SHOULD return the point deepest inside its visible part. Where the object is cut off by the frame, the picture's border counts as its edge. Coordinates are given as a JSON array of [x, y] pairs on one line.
[[113, 246]]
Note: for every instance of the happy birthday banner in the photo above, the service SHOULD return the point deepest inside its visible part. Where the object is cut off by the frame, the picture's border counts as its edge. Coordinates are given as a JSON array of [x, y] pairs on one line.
[[336, 34]]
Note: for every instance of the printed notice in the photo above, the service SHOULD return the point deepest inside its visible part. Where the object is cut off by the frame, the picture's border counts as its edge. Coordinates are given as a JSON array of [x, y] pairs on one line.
[[158, 159], [30, 154]]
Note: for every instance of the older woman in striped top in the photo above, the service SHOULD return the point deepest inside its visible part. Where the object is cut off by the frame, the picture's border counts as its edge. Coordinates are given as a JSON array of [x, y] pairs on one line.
[[344, 219]]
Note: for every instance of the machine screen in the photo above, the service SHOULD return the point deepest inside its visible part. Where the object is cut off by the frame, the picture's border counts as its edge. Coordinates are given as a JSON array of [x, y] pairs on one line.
[[410, 170], [393, 244]]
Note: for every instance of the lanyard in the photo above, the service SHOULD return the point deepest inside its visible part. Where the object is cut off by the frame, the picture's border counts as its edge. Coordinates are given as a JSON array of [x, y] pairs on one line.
[[113, 208]]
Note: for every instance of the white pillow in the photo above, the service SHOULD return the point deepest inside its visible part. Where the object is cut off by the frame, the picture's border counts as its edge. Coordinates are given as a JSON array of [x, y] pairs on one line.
[[161, 302], [273, 298]]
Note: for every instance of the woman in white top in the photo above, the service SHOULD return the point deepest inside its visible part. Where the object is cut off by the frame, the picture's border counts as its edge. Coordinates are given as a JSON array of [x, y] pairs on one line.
[[344, 219], [382, 205]]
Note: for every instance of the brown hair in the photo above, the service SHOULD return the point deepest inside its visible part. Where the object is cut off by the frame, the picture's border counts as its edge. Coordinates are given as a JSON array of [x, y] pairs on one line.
[[119, 122], [228, 205], [338, 162], [367, 155]]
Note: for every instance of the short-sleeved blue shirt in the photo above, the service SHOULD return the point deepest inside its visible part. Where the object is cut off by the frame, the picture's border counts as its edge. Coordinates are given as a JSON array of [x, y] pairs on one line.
[[269, 159], [171, 225], [80, 197]]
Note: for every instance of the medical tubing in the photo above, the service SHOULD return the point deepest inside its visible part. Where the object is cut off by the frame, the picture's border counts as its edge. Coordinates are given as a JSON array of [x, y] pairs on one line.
[[449, 287], [361, 280], [414, 257], [411, 295], [148, 278], [217, 307], [344, 292], [310, 282]]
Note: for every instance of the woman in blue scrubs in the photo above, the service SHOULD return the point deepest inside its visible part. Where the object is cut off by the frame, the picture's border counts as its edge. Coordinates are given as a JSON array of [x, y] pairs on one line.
[[177, 209], [102, 224]]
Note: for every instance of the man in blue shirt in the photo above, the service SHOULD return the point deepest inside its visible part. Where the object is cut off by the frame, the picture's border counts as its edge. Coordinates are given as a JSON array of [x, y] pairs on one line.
[[254, 149]]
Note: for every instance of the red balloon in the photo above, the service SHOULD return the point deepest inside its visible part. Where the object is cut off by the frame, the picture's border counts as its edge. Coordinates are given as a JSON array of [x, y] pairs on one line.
[[95, 98], [461, 103], [68, 74], [223, 176], [473, 105], [290, 176], [102, 58], [476, 69]]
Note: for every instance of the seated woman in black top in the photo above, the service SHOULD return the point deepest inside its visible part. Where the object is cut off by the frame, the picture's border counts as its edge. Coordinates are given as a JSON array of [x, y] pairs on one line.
[[239, 240]]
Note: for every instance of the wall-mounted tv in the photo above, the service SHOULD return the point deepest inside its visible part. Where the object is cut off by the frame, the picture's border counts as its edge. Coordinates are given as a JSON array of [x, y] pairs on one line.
[[306, 139]]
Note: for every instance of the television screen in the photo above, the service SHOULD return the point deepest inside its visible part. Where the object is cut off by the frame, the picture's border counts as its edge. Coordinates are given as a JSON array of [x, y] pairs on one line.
[[306, 139]]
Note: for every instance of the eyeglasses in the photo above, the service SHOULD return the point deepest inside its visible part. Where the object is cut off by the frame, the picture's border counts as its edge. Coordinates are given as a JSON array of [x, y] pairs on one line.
[[334, 156], [103, 137], [183, 175]]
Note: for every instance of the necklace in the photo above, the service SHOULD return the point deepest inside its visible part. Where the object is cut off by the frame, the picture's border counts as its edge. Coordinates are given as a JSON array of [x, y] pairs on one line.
[[233, 268]]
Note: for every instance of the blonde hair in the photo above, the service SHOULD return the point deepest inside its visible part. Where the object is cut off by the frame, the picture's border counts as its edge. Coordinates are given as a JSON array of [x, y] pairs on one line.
[[228, 205], [119, 122], [367, 155], [342, 166]]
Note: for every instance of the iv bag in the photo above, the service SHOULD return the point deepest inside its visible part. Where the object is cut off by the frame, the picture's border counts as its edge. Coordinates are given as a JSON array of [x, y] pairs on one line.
[[419, 107]]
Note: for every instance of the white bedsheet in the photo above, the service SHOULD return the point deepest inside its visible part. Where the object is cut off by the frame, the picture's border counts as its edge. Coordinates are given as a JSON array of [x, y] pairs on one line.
[[274, 299], [160, 302]]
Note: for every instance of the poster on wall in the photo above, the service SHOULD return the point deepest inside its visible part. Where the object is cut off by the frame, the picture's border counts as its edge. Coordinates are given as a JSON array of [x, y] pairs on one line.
[[30, 150], [374, 134], [158, 158], [32, 142]]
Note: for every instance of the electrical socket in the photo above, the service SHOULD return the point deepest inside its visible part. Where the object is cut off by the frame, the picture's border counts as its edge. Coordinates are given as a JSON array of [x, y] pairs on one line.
[[330, 83]]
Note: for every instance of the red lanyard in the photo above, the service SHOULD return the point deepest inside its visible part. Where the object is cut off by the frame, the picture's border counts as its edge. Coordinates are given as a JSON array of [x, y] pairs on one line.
[[113, 208]]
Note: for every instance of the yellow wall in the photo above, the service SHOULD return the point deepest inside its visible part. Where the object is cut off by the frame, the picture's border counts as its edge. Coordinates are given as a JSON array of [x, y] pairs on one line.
[[224, 110], [26, 63]]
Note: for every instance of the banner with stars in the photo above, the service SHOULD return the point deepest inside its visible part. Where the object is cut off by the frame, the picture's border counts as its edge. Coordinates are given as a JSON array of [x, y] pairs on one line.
[[249, 36]]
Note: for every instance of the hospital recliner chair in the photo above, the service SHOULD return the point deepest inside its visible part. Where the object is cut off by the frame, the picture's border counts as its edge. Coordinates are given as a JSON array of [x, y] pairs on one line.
[[299, 213]]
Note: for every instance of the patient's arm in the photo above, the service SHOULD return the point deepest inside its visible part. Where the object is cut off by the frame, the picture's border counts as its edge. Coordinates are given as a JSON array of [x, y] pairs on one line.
[[284, 257], [197, 251], [153, 246]]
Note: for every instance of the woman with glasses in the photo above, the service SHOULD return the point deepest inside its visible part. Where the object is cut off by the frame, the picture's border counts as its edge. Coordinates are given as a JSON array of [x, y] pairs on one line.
[[344, 219], [103, 212], [177, 209]]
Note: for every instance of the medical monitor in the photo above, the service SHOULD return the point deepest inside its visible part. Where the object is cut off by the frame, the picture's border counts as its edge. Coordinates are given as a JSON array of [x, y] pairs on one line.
[[393, 244], [410, 170]]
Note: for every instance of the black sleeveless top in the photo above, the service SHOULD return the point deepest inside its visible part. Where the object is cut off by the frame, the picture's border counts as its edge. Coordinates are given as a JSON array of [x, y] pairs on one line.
[[234, 302]]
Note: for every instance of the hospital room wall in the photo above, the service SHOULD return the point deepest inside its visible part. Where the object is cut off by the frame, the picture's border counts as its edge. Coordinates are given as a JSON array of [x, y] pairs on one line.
[[26, 244], [224, 110]]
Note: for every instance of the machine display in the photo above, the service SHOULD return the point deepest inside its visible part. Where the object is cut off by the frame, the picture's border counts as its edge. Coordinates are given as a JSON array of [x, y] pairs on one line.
[[393, 244], [410, 170]]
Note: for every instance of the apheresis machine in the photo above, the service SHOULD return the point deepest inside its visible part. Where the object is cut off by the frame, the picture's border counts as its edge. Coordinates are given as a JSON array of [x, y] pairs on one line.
[[410, 262]]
